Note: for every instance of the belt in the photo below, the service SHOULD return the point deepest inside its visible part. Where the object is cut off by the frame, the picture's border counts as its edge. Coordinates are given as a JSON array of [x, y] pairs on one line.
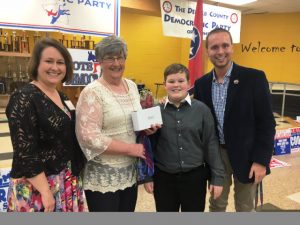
[[223, 146]]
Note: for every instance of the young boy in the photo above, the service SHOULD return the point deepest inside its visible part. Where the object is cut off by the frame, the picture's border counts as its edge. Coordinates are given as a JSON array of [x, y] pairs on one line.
[[183, 149]]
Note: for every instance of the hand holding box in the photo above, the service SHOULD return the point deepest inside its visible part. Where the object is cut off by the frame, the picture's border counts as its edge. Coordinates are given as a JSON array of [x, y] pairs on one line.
[[143, 119]]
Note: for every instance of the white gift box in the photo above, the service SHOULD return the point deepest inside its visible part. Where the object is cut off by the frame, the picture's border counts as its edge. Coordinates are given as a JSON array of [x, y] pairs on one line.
[[143, 119]]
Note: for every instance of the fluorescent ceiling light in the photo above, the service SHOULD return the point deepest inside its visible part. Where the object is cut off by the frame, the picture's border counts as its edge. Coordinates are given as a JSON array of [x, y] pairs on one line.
[[234, 2]]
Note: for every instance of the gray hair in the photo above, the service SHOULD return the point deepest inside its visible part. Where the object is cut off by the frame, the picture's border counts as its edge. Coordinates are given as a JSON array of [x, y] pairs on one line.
[[111, 45]]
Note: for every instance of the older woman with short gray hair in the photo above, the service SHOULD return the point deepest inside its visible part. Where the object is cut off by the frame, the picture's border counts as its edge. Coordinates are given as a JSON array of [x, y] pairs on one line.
[[105, 132]]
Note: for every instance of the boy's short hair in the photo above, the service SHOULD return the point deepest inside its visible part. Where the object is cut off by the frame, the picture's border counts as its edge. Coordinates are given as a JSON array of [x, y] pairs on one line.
[[176, 68]]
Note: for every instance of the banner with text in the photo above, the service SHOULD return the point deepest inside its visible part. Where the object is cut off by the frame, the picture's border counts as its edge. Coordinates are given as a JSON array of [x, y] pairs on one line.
[[4, 183], [100, 18], [86, 67], [295, 139], [178, 19], [282, 142]]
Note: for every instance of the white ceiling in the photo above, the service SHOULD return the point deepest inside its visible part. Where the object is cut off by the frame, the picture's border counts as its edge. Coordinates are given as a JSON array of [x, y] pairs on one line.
[[264, 6]]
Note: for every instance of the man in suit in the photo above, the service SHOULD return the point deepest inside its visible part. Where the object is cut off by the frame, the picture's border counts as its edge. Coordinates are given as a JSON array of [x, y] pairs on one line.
[[239, 99]]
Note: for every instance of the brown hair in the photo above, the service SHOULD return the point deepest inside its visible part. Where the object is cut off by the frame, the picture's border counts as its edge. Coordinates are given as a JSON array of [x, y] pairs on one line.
[[39, 47], [176, 68]]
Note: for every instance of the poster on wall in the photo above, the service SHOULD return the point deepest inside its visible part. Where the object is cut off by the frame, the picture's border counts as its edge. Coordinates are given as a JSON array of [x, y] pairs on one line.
[[99, 18], [86, 67], [178, 19], [4, 183]]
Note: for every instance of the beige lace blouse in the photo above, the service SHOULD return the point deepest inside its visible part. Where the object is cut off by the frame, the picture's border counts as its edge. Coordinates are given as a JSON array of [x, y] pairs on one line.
[[100, 117]]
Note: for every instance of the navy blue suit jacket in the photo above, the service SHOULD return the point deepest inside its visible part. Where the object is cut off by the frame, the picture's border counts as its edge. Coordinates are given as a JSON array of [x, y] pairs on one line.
[[249, 125]]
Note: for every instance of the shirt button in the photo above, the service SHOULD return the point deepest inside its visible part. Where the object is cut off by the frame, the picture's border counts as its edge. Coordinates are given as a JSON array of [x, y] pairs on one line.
[[178, 110], [178, 121], [179, 135], [182, 162], [180, 148]]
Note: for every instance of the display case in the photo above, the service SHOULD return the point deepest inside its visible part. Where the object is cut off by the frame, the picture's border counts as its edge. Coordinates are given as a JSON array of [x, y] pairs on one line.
[[14, 58], [13, 71]]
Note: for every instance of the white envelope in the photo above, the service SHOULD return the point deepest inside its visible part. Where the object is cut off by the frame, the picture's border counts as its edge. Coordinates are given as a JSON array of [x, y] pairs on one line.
[[143, 119]]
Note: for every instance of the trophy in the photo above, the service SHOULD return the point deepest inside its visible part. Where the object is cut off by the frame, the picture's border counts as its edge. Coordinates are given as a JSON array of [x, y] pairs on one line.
[[14, 77], [26, 75], [73, 42], [20, 73], [82, 41], [24, 43], [89, 44], [8, 79], [15, 42], [6, 42], [1, 46], [64, 41], [36, 37]]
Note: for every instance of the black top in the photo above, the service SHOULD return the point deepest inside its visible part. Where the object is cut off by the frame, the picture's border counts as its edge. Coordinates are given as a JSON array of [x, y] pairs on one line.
[[187, 139], [41, 133]]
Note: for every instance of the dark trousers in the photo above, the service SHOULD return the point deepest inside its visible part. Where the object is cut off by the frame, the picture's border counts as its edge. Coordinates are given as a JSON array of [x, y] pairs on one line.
[[119, 201], [185, 190]]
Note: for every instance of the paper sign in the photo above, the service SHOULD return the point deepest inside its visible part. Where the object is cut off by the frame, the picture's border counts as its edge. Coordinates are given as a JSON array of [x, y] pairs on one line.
[[4, 183]]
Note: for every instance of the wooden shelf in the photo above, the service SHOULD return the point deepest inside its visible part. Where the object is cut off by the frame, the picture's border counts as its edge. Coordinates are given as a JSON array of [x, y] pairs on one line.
[[14, 54]]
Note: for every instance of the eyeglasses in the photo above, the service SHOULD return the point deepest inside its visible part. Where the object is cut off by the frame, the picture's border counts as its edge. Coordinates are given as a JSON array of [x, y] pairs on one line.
[[111, 60]]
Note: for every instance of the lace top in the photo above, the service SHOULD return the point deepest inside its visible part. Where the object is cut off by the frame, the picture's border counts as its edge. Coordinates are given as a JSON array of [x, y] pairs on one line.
[[100, 117], [41, 133]]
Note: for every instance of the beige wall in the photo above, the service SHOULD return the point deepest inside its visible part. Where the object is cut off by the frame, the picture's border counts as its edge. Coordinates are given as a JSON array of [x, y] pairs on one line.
[[149, 52], [280, 31]]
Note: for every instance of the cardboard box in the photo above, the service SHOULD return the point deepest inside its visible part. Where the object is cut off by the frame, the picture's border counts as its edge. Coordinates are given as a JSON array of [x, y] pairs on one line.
[[143, 119]]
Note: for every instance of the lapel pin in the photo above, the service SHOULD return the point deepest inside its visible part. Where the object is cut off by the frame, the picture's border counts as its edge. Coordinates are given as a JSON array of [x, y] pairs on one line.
[[236, 81]]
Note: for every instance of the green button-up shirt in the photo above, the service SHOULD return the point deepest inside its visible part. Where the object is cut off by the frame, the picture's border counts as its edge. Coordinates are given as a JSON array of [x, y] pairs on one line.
[[187, 139]]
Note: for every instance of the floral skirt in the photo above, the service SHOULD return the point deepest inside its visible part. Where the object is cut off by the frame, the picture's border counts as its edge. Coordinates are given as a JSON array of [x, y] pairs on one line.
[[66, 188]]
